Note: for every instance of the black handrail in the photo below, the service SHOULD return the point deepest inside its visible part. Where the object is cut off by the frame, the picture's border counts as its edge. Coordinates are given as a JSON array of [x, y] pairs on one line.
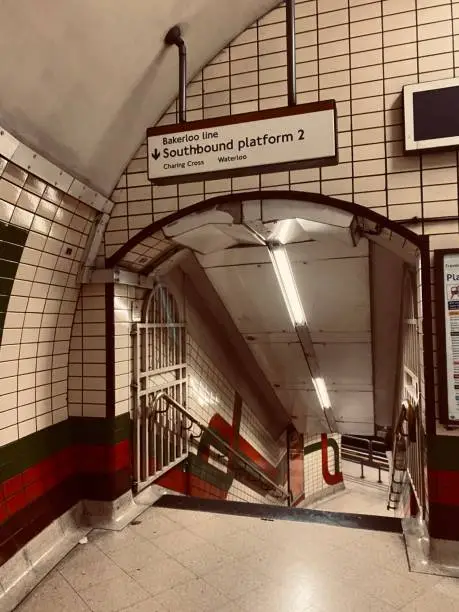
[[248, 466], [369, 453]]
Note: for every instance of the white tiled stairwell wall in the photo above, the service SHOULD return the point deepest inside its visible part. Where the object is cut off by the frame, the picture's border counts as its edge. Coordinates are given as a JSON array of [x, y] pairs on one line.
[[315, 487]]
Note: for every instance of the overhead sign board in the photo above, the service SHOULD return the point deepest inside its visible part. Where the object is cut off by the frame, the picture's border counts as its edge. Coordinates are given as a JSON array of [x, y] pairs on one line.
[[290, 138], [447, 278]]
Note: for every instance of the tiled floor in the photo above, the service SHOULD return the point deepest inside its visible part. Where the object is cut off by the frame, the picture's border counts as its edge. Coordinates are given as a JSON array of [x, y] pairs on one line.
[[360, 497], [179, 560]]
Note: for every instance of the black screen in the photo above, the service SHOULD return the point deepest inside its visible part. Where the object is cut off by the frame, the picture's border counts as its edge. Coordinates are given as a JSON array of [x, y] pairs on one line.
[[436, 113]]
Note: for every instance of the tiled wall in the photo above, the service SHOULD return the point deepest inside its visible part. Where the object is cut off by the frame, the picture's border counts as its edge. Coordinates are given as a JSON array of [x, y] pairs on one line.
[[210, 393], [359, 52], [88, 350], [87, 358], [124, 300], [315, 484], [43, 233], [47, 472]]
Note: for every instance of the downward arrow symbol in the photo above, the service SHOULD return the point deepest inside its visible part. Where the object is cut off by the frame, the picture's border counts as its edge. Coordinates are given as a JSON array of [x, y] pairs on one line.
[[156, 154]]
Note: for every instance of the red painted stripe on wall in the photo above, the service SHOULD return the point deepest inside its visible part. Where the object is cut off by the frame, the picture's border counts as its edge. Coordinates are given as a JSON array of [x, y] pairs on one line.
[[21, 490], [225, 431], [330, 479], [444, 487]]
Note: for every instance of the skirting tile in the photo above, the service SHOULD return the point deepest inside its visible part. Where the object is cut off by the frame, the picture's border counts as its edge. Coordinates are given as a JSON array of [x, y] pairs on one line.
[[20, 574], [113, 515], [322, 494], [429, 555]]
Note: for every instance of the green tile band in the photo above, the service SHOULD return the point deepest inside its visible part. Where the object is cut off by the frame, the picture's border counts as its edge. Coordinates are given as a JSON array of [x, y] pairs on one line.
[[30, 450]]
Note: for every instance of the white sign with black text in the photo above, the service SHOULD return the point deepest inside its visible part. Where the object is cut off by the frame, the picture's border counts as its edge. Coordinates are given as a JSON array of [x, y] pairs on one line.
[[451, 287], [243, 146]]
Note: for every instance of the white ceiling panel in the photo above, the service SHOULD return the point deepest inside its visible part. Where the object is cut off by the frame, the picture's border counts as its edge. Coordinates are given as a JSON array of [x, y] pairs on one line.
[[289, 209], [196, 221], [235, 257], [335, 294], [326, 249], [300, 403], [346, 365], [283, 363], [352, 407], [251, 295], [205, 239]]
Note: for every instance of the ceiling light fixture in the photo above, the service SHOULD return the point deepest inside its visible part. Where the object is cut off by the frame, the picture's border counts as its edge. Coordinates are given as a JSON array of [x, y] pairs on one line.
[[286, 280], [322, 393]]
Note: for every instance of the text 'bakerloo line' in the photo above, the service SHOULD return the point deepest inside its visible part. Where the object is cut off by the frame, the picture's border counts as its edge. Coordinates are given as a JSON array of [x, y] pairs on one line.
[[217, 147]]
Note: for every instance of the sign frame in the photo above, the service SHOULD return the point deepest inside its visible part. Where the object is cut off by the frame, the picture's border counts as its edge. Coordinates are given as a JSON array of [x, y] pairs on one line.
[[274, 113], [442, 330]]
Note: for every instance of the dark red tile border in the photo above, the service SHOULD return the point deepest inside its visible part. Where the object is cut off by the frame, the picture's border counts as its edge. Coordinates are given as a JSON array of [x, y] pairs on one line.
[[443, 523], [444, 488]]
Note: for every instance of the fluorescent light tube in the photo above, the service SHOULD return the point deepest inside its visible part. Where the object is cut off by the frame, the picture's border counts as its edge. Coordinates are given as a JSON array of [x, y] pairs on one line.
[[322, 393], [286, 280]]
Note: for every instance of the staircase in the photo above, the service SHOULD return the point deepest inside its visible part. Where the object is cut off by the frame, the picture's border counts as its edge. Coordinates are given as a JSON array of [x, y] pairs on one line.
[[167, 434]]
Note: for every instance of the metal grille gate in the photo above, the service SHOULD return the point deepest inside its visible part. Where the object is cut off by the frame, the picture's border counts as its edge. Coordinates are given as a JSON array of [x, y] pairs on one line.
[[159, 343], [409, 449]]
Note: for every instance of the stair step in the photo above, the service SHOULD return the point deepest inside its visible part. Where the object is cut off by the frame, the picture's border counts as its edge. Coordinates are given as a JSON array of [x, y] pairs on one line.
[[264, 511]]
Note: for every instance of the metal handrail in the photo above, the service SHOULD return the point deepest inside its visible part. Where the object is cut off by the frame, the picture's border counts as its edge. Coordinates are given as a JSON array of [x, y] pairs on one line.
[[365, 455], [152, 411]]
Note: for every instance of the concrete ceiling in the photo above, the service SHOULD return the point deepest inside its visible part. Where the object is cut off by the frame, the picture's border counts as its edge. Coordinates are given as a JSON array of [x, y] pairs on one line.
[[81, 80]]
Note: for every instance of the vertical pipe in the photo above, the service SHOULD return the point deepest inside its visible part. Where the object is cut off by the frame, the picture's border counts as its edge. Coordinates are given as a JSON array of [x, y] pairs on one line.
[[174, 37], [182, 82], [291, 51]]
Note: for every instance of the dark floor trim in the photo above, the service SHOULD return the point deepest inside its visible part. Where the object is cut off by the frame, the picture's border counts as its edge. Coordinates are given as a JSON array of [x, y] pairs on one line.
[[301, 515]]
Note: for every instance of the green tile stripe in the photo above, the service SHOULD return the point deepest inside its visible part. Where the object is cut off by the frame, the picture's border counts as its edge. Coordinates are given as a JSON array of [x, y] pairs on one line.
[[26, 452], [209, 473], [89, 430], [30, 450], [443, 453], [12, 241]]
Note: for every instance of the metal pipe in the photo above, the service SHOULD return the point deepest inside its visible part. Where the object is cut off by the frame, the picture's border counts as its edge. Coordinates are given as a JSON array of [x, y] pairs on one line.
[[417, 220], [174, 37], [291, 51]]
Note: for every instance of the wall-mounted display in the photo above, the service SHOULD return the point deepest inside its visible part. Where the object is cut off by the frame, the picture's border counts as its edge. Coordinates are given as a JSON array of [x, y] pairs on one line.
[[431, 117], [447, 317]]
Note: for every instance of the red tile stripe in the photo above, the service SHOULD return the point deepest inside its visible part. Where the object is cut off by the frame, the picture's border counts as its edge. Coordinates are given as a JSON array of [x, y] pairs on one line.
[[22, 489], [444, 487]]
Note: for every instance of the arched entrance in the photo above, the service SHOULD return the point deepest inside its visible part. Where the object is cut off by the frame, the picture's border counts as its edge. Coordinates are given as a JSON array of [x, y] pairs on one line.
[[223, 222]]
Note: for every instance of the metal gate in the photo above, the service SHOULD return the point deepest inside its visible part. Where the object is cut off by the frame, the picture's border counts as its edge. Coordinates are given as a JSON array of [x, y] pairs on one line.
[[411, 426], [159, 343], [410, 341]]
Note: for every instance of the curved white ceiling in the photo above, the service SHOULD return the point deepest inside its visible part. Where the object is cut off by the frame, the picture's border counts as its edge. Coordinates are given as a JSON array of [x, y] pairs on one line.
[[81, 80]]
